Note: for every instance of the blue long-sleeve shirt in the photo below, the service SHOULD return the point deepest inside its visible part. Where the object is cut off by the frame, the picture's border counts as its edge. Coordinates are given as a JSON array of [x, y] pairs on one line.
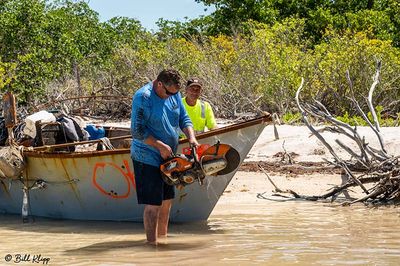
[[160, 118]]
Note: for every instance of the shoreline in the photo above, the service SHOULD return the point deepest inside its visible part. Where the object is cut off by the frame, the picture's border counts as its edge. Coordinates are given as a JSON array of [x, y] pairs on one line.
[[255, 188], [300, 168]]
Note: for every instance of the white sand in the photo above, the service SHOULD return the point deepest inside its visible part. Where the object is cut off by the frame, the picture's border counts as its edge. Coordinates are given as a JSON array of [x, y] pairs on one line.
[[297, 139]]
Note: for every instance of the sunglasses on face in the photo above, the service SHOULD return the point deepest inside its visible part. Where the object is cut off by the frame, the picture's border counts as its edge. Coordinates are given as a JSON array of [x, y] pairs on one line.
[[167, 91]]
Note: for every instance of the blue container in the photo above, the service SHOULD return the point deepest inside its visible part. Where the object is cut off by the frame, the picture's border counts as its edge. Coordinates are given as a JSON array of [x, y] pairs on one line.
[[95, 132]]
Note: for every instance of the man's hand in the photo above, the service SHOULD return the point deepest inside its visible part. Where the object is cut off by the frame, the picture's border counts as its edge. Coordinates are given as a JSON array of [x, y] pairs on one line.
[[164, 149], [193, 142], [189, 132]]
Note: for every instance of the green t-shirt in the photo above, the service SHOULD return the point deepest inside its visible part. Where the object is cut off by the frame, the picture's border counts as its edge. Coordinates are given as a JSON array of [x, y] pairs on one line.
[[201, 115]]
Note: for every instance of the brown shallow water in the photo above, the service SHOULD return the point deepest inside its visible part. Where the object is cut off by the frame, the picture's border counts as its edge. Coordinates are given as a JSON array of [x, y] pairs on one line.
[[262, 232]]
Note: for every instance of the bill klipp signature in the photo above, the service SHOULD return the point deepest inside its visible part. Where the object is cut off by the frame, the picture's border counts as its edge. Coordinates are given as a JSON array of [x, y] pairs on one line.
[[32, 258]]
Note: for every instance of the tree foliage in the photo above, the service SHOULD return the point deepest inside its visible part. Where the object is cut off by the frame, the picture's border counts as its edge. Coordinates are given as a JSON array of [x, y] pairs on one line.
[[251, 54], [376, 16], [23, 42], [6, 74]]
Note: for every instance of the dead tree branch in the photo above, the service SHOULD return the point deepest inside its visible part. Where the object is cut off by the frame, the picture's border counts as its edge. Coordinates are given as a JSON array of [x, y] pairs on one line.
[[339, 162], [367, 165]]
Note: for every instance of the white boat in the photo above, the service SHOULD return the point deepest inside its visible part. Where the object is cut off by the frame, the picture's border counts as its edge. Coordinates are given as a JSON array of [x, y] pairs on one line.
[[99, 185]]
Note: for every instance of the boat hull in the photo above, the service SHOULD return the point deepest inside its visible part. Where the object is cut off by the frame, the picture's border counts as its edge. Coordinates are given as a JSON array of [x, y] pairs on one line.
[[101, 186]]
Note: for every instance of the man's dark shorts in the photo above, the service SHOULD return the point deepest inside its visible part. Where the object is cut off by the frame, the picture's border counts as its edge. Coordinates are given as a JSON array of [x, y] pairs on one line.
[[150, 187]]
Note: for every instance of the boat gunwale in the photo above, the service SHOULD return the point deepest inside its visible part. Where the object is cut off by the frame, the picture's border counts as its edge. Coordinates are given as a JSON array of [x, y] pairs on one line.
[[53, 154]]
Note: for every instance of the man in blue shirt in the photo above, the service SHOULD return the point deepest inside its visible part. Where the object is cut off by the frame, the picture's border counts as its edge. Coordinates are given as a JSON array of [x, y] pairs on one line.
[[157, 116]]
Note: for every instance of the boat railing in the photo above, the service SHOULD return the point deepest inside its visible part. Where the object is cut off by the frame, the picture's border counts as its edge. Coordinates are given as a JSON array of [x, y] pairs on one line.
[[127, 137]]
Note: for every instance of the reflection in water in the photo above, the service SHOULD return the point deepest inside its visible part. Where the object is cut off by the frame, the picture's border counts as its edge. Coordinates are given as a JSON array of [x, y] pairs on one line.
[[268, 233]]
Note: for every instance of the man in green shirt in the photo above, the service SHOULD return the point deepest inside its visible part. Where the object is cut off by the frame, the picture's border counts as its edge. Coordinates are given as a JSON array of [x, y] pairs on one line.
[[200, 112]]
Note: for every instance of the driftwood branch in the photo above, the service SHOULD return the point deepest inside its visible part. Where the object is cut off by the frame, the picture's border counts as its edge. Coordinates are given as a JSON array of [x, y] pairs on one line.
[[321, 138], [372, 109], [367, 164]]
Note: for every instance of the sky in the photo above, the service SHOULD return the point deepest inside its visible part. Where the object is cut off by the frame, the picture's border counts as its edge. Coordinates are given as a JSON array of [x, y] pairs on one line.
[[149, 11]]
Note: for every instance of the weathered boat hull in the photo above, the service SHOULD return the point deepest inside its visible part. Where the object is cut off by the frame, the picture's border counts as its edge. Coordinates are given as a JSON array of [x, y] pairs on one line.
[[100, 185]]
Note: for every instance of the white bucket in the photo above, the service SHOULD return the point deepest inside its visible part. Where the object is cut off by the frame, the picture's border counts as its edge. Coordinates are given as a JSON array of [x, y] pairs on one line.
[[30, 127]]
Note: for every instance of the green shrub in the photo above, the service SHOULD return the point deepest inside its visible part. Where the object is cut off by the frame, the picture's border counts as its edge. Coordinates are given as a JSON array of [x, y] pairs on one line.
[[356, 120], [292, 118]]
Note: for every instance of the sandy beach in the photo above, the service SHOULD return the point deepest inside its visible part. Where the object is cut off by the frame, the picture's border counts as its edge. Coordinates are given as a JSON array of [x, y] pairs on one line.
[[307, 148]]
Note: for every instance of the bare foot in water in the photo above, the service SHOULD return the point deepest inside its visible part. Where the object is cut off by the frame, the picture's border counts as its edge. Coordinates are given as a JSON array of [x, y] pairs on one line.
[[151, 243], [163, 239]]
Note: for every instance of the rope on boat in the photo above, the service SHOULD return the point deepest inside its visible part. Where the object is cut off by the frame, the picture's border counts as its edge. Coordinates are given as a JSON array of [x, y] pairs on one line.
[[38, 184], [42, 184], [107, 143], [26, 205]]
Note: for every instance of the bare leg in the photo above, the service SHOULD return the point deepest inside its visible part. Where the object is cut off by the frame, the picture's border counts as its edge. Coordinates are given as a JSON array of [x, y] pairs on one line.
[[150, 220], [163, 218]]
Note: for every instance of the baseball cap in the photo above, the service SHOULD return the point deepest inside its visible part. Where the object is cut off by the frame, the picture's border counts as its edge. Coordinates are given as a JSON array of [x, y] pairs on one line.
[[193, 82]]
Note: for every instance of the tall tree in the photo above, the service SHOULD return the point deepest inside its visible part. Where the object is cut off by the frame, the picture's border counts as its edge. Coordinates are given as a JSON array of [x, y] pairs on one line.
[[22, 37], [49, 41], [380, 17]]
